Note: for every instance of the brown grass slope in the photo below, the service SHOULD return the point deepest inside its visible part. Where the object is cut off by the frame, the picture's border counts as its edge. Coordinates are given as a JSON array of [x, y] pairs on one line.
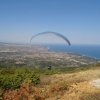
[[73, 86]]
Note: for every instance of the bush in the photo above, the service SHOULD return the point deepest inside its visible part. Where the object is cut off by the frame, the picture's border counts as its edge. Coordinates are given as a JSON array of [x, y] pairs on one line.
[[33, 78], [50, 72], [13, 81]]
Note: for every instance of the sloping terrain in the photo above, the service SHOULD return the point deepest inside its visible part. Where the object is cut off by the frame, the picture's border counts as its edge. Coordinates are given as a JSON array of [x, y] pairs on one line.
[[74, 86], [80, 88]]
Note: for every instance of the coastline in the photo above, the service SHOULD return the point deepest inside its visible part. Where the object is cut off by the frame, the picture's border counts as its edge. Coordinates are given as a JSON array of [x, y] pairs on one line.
[[85, 50]]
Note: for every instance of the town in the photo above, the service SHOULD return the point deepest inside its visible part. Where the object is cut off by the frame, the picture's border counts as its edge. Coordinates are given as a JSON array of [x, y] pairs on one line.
[[35, 56]]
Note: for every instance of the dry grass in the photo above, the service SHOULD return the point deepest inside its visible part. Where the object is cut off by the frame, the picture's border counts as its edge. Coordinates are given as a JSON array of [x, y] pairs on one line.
[[91, 96], [79, 84], [74, 86], [71, 78], [27, 92]]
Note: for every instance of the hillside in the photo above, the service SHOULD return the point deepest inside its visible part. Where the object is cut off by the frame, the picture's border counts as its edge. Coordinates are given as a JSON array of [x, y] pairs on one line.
[[24, 74], [62, 86], [79, 88]]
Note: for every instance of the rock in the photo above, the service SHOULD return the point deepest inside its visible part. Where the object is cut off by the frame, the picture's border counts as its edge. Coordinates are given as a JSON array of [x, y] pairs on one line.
[[95, 83]]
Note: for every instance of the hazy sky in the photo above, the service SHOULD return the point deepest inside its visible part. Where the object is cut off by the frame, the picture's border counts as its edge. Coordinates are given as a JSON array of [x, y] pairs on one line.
[[78, 20]]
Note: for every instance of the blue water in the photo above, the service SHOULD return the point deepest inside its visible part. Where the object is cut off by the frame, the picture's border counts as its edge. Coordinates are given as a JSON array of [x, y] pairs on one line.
[[88, 50]]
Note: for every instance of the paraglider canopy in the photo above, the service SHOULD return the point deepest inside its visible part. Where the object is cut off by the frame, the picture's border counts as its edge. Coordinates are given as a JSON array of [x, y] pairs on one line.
[[54, 33]]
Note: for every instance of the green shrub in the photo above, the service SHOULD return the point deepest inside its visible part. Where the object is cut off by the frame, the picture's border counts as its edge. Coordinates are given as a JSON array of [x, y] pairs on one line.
[[13, 81], [34, 77], [65, 84], [50, 72]]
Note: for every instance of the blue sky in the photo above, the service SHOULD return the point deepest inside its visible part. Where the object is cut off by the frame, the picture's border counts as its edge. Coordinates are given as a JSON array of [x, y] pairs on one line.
[[78, 20]]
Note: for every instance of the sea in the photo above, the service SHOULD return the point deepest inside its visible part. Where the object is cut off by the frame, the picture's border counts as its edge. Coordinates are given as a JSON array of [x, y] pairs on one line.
[[87, 50]]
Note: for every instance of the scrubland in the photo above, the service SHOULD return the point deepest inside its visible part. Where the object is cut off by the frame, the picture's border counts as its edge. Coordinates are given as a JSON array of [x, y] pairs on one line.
[[52, 85]]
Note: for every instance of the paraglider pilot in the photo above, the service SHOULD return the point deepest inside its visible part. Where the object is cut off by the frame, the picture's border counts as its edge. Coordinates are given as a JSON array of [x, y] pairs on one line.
[[49, 68]]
